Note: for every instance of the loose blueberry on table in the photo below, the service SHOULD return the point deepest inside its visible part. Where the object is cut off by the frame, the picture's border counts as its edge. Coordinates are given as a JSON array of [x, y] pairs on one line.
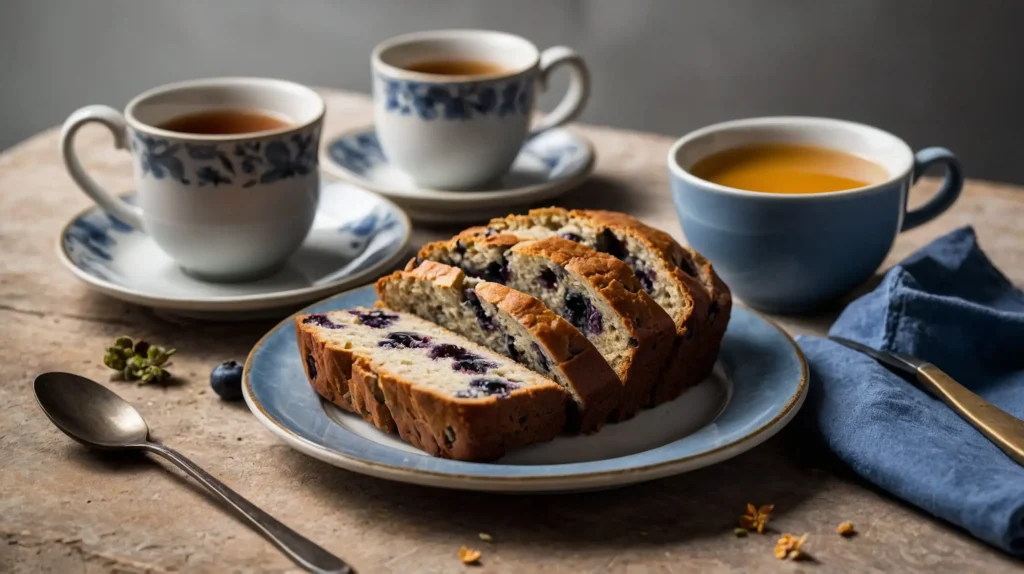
[[226, 380]]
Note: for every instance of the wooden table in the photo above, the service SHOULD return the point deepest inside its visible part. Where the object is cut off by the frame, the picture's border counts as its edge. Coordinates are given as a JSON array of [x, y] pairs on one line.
[[65, 509]]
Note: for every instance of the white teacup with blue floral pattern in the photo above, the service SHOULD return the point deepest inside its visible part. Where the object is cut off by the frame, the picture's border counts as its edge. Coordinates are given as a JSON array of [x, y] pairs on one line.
[[225, 207], [461, 132]]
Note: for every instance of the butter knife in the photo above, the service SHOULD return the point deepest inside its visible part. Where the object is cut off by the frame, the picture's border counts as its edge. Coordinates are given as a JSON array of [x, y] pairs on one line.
[[1000, 427]]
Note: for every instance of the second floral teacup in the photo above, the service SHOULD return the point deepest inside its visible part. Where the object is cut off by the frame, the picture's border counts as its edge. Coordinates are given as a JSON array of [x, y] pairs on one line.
[[226, 174], [453, 107]]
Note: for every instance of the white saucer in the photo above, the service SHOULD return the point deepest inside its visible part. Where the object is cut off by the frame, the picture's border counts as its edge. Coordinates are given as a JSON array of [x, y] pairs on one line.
[[549, 165], [356, 236]]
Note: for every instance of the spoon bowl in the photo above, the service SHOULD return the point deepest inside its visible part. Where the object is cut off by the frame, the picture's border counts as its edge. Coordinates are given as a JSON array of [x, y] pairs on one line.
[[90, 413]]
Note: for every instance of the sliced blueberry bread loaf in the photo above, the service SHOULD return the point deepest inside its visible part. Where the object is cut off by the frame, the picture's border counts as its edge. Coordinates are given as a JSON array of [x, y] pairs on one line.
[[679, 279], [514, 324], [441, 392]]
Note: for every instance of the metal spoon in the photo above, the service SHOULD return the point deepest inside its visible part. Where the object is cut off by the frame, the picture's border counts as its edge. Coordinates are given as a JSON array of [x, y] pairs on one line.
[[96, 417]]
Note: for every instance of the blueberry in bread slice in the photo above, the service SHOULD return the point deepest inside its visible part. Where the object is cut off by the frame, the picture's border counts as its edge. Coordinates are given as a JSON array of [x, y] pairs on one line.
[[440, 391], [512, 323], [681, 280]]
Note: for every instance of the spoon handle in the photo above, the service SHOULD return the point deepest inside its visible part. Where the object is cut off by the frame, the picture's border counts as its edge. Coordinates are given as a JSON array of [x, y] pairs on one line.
[[303, 551]]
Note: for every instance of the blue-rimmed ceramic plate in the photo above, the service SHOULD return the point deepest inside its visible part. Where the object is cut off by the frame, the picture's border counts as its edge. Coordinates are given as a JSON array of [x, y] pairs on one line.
[[550, 164], [759, 384], [356, 235]]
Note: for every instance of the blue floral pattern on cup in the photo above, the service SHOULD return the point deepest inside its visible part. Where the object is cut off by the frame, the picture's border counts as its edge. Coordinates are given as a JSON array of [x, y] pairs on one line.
[[459, 101], [247, 163]]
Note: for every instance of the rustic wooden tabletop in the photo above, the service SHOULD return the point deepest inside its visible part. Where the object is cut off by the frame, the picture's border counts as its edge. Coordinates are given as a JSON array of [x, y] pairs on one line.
[[65, 509]]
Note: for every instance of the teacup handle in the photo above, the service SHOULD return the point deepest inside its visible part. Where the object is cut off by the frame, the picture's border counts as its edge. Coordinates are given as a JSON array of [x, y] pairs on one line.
[[114, 122], [579, 86], [950, 190]]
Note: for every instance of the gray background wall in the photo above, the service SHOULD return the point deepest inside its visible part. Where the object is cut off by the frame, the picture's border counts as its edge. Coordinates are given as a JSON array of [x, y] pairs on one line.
[[945, 72]]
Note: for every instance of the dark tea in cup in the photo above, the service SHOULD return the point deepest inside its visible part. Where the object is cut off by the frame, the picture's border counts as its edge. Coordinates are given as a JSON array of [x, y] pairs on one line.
[[226, 121]]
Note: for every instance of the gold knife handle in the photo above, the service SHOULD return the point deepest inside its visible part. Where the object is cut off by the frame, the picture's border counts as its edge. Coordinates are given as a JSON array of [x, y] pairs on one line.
[[1006, 431]]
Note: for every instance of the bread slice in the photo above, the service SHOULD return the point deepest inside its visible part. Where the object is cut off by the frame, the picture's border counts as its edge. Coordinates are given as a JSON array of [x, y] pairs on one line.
[[600, 296], [514, 324], [441, 392], [681, 280]]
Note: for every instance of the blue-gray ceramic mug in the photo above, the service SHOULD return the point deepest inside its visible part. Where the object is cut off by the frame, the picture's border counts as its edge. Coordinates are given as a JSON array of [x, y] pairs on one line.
[[793, 252]]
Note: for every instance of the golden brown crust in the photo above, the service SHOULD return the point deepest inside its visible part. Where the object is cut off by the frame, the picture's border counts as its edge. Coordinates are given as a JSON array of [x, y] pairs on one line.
[[437, 250], [477, 429], [614, 281], [593, 381], [440, 273], [327, 371], [367, 396], [499, 224]]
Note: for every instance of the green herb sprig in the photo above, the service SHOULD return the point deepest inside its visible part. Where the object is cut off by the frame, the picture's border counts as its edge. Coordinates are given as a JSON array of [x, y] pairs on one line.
[[138, 360]]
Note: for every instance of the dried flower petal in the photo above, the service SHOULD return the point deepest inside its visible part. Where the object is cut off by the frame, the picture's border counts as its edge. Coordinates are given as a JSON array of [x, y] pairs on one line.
[[756, 518], [486, 537], [846, 529], [788, 546], [469, 556]]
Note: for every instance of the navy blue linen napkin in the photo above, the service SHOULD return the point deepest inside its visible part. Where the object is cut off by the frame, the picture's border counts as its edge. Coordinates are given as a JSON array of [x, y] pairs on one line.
[[946, 304]]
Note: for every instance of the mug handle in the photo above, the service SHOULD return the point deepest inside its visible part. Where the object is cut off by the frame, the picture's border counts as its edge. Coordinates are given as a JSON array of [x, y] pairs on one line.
[[579, 86], [950, 190], [114, 122]]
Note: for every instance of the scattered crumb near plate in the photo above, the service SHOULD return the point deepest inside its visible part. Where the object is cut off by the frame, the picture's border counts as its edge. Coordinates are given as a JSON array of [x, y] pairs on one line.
[[846, 529], [756, 517], [469, 556], [486, 537], [789, 546]]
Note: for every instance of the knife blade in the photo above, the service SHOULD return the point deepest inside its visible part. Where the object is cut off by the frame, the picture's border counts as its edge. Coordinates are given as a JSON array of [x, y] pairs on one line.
[[899, 361], [998, 426]]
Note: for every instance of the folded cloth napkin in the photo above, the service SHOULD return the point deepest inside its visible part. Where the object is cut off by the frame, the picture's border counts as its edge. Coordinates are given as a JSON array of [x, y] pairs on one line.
[[946, 304]]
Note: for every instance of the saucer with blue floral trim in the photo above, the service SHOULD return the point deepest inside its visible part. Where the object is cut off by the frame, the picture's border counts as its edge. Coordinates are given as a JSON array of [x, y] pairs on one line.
[[356, 236], [549, 164]]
